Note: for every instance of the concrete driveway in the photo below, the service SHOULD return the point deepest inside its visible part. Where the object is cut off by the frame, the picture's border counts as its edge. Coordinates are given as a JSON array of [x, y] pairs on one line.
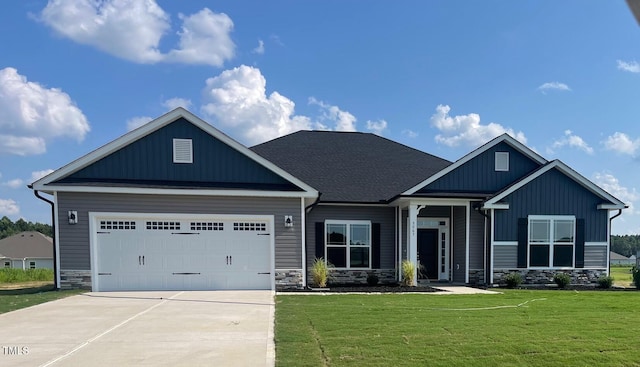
[[213, 328]]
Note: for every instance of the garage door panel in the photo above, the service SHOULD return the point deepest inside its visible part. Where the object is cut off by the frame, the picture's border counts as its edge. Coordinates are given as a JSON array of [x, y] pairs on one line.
[[194, 254]]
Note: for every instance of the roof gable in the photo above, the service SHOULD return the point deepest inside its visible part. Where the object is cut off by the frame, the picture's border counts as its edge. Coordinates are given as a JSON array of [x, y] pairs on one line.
[[608, 200], [27, 244], [351, 167], [144, 158], [479, 175]]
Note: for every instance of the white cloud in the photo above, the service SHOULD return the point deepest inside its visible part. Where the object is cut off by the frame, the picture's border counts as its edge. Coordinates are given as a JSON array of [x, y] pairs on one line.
[[14, 184], [132, 30], [409, 133], [632, 67], [9, 207], [622, 143], [237, 99], [571, 140], [342, 120], [611, 185], [553, 86], [135, 122], [260, 48], [174, 103], [204, 39], [30, 114], [376, 127], [36, 175], [467, 129]]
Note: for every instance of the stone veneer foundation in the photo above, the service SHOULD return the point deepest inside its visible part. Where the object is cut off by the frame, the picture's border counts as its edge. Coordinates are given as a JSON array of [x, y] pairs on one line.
[[385, 276], [529, 276], [74, 279], [288, 279]]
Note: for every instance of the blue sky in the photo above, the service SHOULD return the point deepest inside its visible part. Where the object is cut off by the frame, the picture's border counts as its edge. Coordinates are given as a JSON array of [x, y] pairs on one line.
[[441, 76]]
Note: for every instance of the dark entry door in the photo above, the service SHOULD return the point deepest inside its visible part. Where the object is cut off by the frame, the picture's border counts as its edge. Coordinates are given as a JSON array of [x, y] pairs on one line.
[[428, 253]]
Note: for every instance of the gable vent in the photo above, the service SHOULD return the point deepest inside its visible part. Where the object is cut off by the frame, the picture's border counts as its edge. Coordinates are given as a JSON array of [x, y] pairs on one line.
[[182, 151]]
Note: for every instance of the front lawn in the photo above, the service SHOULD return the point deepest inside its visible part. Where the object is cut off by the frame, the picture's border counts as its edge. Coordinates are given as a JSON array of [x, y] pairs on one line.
[[622, 276], [14, 299], [517, 328]]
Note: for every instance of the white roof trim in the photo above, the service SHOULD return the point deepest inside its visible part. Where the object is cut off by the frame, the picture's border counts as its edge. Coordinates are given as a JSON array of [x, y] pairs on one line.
[[496, 206], [502, 138], [155, 125], [160, 191], [617, 204]]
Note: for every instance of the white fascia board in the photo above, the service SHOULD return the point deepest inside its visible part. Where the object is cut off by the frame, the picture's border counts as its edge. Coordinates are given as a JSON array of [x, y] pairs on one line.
[[567, 171], [197, 192], [504, 206], [612, 206], [154, 125], [504, 137]]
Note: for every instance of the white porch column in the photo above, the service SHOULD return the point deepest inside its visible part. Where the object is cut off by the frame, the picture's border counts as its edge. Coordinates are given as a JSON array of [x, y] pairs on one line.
[[412, 248]]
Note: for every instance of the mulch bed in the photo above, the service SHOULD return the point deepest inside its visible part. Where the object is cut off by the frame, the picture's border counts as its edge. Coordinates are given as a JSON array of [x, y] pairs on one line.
[[348, 288]]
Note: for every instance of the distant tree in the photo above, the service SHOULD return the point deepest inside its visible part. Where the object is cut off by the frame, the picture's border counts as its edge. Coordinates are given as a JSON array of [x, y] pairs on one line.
[[9, 228], [626, 245]]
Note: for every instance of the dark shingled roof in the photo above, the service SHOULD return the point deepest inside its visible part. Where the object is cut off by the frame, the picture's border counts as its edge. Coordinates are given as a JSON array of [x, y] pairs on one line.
[[27, 244], [351, 166]]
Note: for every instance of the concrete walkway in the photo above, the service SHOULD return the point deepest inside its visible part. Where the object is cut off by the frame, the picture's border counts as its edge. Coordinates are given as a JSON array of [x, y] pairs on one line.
[[442, 290], [215, 328]]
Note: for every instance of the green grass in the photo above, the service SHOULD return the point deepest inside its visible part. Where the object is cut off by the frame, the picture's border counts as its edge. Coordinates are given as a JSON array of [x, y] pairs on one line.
[[15, 299], [9, 275], [553, 328], [622, 276]]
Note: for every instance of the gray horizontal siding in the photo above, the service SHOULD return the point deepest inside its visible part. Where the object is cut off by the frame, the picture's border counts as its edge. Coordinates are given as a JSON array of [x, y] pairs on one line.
[[383, 215], [505, 256], [476, 240], [553, 193], [74, 239], [595, 256]]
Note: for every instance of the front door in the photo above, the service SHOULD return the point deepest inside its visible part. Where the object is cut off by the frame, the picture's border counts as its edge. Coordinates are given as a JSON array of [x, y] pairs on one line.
[[428, 253]]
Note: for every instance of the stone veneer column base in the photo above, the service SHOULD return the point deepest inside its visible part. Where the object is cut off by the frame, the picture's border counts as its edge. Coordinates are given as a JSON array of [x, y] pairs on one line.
[[288, 279], [544, 276], [74, 279], [476, 276]]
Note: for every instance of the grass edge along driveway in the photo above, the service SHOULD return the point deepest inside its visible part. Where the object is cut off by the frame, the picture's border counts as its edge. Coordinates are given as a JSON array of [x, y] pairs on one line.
[[516, 328], [15, 299]]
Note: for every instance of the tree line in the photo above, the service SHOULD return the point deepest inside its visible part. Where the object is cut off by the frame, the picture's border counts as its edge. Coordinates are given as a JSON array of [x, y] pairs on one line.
[[9, 228], [626, 245]]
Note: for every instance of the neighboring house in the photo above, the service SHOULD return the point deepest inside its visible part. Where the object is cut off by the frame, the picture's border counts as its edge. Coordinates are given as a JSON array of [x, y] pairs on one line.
[[617, 259], [26, 250], [177, 204]]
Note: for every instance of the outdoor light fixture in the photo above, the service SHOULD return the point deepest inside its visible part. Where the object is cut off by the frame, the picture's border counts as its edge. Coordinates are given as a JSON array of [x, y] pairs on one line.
[[73, 217], [288, 221]]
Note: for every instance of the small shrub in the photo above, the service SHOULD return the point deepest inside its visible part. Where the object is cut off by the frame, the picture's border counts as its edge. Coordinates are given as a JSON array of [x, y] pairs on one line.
[[320, 272], [513, 280], [408, 273], [372, 279], [605, 282], [562, 280], [635, 273]]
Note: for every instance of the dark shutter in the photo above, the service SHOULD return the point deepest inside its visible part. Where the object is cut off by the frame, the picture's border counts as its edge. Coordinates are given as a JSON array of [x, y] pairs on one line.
[[375, 246], [523, 245], [580, 243], [320, 239]]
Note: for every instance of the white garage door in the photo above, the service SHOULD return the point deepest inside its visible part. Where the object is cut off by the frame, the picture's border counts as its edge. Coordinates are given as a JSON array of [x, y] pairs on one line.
[[197, 253]]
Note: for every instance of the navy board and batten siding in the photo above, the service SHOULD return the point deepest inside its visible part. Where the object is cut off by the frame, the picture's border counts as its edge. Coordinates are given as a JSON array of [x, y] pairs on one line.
[[74, 239], [149, 160], [478, 175]]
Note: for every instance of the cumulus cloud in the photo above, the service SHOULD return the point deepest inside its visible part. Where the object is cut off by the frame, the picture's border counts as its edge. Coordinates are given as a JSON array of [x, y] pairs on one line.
[[553, 86], [9, 207], [623, 144], [237, 100], [612, 185], [135, 122], [14, 184], [570, 140], [260, 48], [132, 30], [36, 175], [409, 133], [467, 129], [341, 120], [377, 127], [632, 67], [31, 114], [174, 103]]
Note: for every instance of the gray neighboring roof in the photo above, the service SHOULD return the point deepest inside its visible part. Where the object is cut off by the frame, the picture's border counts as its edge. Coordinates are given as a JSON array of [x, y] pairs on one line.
[[351, 166], [27, 244], [617, 256]]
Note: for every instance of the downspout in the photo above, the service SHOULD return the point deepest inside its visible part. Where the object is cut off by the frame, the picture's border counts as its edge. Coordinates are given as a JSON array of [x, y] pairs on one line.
[[313, 205], [307, 209], [484, 240], [53, 236], [609, 249]]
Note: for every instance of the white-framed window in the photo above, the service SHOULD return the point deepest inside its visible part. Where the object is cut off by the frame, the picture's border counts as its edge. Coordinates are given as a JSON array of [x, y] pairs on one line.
[[32, 264], [7, 264], [348, 244], [182, 151], [552, 241], [502, 161]]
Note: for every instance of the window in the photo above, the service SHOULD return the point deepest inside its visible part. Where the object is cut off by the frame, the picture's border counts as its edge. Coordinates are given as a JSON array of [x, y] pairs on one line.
[[348, 244], [182, 151], [7, 264], [502, 161], [32, 264], [551, 241]]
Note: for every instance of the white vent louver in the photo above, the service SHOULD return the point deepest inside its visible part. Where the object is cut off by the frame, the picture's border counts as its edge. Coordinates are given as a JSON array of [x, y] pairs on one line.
[[182, 151]]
